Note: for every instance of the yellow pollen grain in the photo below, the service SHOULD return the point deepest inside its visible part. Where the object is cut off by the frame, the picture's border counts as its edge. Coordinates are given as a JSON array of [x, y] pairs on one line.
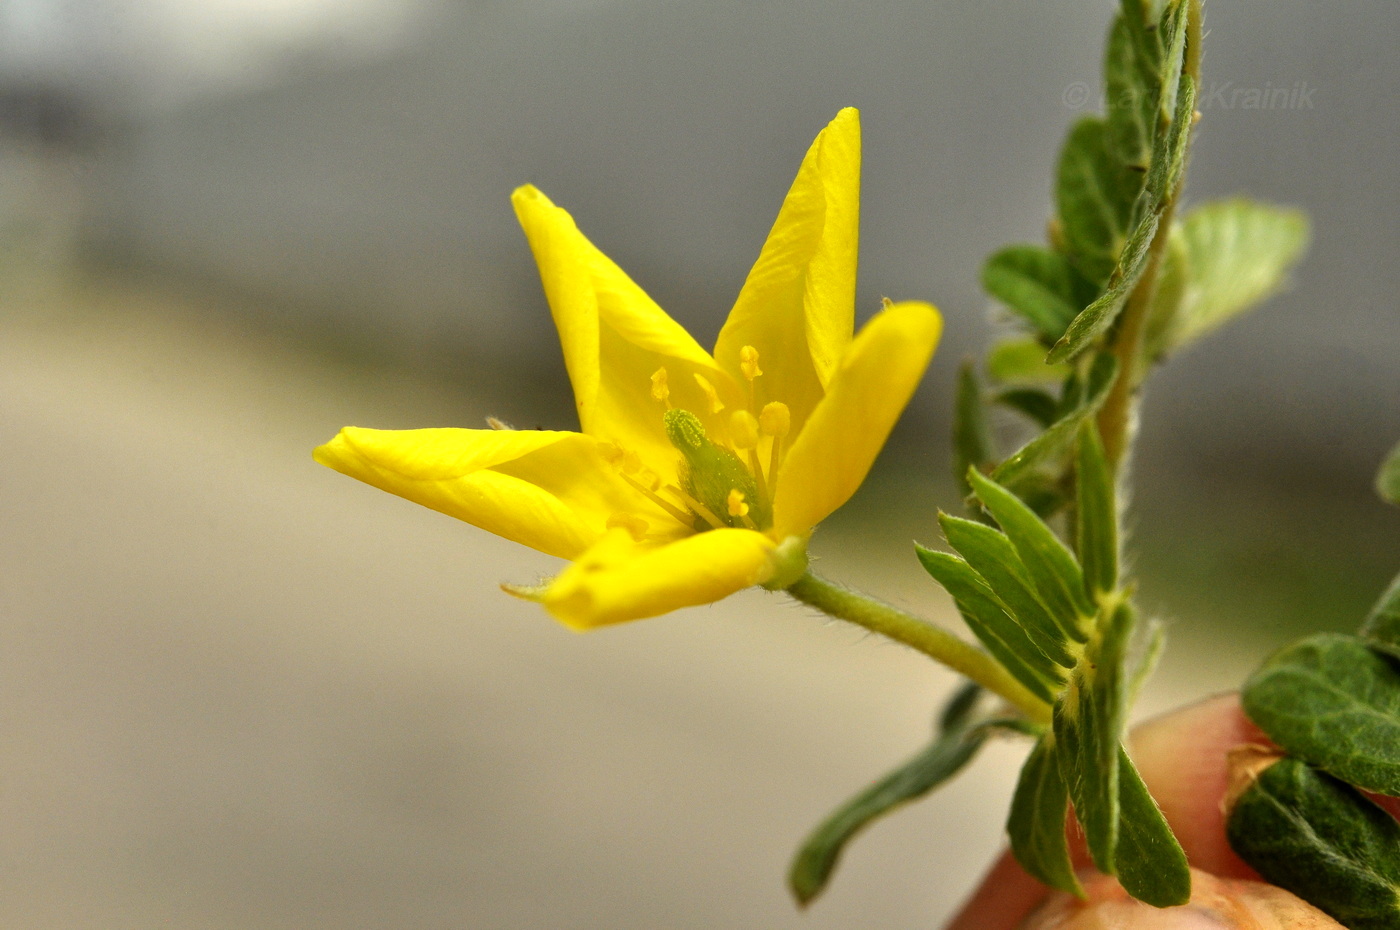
[[748, 362], [716, 405], [660, 386], [775, 419], [743, 429], [736, 505]]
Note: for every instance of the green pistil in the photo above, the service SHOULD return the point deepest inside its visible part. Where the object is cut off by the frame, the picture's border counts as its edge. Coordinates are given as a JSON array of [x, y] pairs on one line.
[[712, 471]]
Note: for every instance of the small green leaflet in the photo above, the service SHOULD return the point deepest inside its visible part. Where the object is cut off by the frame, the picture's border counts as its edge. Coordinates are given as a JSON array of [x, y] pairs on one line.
[[1133, 83], [1099, 315], [1333, 702], [1097, 514], [1388, 481], [1094, 195], [989, 621], [1174, 96], [1324, 841], [1088, 723], [1232, 255], [959, 738], [1382, 627], [1038, 406], [1022, 361], [992, 556], [1036, 824], [972, 441], [1051, 567], [1038, 284], [1050, 448], [1151, 864]]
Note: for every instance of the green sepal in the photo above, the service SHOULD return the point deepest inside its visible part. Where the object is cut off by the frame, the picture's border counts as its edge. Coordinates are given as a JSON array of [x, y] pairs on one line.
[[1094, 195], [1039, 285], [1333, 702], [1382, 627], [992, 556], [1096, 515], [1036, 823], [1321, 839], [1388, 479], [1151, 864], [1088, 725], [1050, 449], [1051, 567], [972, 441], [957, 741], [989, 621], [1022, 361], [1096, 318], [1038, 406]]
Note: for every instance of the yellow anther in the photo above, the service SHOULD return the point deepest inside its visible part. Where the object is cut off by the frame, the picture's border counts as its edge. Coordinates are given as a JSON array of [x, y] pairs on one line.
[[660, 388], [743, 429], [495, 423], [886, 303], [748, 362], [611, 453], [737, 507], [775, 419], [633, 524], [649, 479], [631, 462], [716, 405]]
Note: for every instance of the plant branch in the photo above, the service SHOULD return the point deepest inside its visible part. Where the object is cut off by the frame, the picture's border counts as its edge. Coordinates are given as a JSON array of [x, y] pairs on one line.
[[936, 643]]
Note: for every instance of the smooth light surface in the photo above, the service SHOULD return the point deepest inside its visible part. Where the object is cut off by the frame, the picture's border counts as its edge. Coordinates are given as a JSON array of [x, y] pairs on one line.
[[241, 691]]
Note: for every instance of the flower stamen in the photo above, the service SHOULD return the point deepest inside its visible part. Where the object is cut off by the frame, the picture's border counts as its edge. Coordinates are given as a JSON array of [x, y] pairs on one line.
[[737, 508], [660, 387], [748, 364], [775, 420]]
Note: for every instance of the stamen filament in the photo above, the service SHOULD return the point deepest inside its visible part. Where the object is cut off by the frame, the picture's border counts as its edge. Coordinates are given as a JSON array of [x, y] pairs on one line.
[[681, 516], [700, 509], [757, 469], [775, 458]]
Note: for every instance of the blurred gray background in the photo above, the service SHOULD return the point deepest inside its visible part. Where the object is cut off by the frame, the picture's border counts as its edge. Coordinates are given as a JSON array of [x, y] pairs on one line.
[[242, 691]]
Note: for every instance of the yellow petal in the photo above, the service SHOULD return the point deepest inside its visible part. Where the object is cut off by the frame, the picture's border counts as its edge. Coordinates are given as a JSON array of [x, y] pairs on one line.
[[550, 491], [831, 456], [797, 306], [615, 338], [618, 579]]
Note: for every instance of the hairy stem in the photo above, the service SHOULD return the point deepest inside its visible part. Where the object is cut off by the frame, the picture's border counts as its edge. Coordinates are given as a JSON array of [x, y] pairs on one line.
[[936, 643]]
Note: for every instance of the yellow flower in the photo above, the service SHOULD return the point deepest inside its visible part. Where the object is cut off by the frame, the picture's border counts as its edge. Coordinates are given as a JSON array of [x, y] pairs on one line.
[[694, 474]]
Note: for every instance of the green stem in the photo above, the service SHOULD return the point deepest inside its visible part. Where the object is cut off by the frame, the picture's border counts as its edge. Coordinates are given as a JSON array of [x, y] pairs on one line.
[[938, 644]]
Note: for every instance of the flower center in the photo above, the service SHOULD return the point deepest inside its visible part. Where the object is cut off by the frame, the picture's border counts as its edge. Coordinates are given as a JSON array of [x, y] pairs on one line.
[[725, 480]]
